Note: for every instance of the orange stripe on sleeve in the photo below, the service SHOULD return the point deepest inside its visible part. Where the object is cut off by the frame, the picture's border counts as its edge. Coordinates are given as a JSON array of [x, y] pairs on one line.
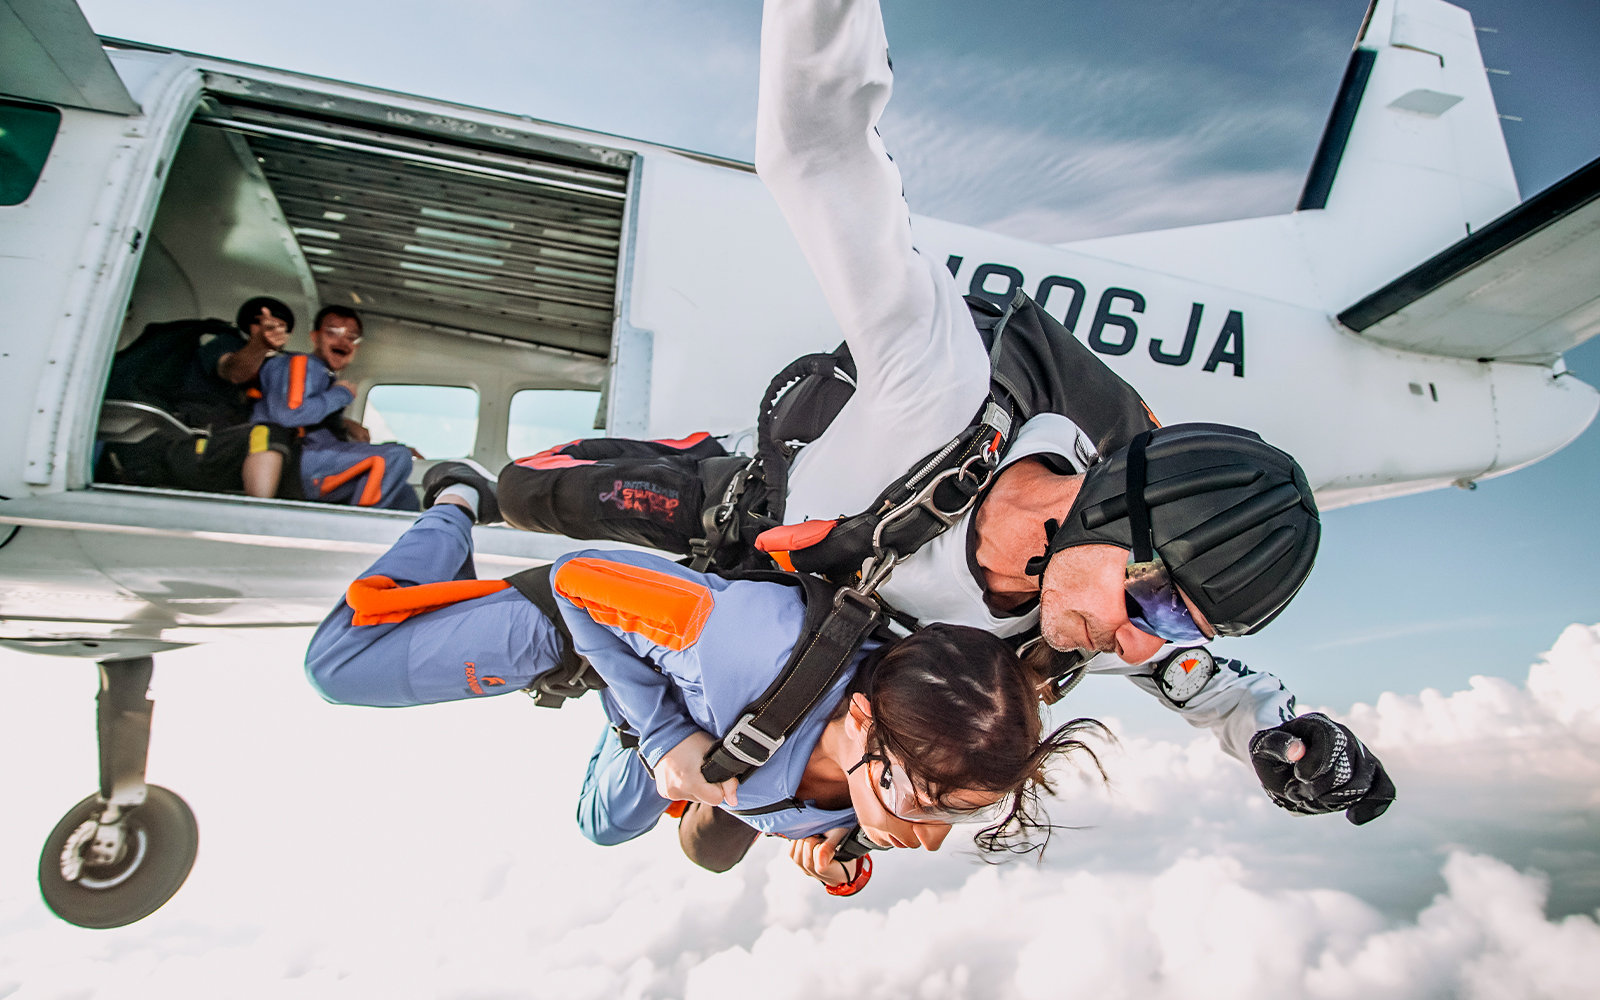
[[378, 600], [297, 381], [668, 610]]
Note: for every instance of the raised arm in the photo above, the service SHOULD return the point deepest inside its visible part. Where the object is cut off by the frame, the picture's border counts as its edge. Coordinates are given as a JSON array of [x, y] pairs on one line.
[[825, 80], [626, 619]]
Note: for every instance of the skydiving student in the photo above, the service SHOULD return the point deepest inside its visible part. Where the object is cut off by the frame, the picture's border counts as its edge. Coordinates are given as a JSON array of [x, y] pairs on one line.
[[911, 737], [1228, 527], [303, 399]]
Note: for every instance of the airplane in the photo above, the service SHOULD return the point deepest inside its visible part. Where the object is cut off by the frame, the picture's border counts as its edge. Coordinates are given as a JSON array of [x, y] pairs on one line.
[[1400, 331]]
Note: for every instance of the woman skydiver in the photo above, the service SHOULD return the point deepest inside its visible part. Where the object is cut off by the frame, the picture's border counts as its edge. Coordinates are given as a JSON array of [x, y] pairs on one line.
[[912, 736]]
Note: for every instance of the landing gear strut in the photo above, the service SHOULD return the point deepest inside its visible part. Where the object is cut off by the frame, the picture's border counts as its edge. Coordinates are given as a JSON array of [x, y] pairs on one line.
[[117, 856]]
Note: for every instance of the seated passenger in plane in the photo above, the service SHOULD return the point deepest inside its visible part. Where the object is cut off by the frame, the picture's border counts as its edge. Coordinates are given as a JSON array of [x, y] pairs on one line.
[[910, 737], [215, 391], [302, 404], [203, 372]]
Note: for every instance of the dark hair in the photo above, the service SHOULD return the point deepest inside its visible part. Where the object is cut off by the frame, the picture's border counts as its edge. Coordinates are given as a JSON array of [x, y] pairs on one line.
[[248, 312], [343, 311], [957, 708]]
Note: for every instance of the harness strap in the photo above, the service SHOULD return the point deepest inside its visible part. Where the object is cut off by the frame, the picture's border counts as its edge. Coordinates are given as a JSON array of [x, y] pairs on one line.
[[1138, 509], [783, 805], [836, 626], [574, 675]]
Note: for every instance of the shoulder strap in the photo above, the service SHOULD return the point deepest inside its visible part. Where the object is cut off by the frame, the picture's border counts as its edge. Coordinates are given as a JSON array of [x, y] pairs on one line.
[[574, 676], [837, 623]]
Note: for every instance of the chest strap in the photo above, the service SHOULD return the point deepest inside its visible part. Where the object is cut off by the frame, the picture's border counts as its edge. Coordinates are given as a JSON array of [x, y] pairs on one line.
[[836, 625]]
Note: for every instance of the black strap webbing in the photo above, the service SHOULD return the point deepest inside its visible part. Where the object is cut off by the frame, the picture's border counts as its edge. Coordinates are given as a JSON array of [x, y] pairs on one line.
[[1138, 510], [574, 675], [835, 628], [783, 805]]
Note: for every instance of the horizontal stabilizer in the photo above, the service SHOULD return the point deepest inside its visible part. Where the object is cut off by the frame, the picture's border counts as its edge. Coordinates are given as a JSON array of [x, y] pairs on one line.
[[1526, 287], [49, 53]]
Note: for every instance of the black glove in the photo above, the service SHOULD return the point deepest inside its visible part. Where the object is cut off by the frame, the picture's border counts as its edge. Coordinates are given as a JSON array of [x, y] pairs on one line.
[[1335, 773]]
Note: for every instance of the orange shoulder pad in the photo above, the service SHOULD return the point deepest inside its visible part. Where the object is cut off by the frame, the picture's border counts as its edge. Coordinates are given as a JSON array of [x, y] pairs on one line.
[[668, 610]]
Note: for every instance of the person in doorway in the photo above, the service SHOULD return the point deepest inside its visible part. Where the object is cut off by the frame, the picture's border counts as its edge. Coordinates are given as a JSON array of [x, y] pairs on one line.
[[215, 391], [203, 373], [681, 654], [301, 416]]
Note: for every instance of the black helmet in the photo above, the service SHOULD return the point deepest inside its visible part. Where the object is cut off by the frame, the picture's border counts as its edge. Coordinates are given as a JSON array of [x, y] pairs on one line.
[[1231, 516]]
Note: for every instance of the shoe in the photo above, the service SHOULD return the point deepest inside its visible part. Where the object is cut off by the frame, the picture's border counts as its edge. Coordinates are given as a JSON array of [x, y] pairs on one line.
[[463, 472]]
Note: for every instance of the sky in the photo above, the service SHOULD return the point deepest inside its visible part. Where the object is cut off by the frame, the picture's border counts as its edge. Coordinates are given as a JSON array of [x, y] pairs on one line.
[[356, 853]]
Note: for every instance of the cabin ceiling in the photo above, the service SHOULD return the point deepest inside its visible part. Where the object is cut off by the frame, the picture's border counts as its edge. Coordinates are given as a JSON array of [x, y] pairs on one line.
[[477, 241]]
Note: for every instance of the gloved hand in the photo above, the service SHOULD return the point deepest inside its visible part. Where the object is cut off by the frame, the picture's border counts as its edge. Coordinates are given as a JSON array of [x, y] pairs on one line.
[[1312, 765]]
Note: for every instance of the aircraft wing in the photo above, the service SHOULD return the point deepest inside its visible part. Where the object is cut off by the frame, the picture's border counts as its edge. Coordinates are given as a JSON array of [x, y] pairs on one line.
[[49, 53], [1526, 287]]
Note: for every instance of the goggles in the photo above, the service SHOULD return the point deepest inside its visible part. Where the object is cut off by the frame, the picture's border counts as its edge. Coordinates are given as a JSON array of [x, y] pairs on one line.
[[897, 794], [1154, 605]]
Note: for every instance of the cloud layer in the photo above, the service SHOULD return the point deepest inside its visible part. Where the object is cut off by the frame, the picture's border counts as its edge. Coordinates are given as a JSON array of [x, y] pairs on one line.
[[431, 853]]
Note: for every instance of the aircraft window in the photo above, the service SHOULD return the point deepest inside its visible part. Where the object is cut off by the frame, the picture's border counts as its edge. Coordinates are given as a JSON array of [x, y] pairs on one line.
[[27, 131], [441, 421], [543, 418]]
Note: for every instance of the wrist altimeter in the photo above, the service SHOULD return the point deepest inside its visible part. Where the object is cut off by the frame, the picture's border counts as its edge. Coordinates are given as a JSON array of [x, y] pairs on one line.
[[1183, 673]]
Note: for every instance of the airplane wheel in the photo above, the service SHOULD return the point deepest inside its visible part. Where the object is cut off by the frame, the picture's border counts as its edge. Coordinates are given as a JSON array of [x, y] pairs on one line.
[[163, 840]]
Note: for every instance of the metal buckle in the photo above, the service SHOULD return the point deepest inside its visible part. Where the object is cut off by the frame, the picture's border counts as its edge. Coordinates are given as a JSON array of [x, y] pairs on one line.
[[875, 569], [742, 730], [924, 497]]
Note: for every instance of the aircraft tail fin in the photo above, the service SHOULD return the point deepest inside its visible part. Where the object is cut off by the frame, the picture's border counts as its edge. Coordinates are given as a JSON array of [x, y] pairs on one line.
[[1412, 158]]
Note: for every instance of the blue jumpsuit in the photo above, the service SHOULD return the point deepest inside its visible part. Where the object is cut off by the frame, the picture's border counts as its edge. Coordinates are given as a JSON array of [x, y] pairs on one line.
[[298, 390], [661, 694]]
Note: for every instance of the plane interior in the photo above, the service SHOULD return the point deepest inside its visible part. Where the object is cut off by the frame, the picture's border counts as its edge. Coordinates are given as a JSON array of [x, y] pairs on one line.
[[486, 278]]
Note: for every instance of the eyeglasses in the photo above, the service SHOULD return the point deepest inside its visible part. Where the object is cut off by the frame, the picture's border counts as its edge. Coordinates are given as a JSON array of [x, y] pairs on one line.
[[344, 333], [1154, 605], [896, 793]]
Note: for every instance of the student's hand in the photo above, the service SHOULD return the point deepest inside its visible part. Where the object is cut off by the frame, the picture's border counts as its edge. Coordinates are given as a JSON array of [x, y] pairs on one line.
[[274, 332], [814, 855], [345, 383], [678, 774], [358, 432], [416, 454]]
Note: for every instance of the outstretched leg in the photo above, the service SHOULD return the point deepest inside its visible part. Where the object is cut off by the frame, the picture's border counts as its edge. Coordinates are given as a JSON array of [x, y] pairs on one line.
[[475, 648]]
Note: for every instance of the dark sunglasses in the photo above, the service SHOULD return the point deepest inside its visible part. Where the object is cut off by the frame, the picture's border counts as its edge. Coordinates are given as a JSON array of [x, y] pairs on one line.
[[1154, 605]]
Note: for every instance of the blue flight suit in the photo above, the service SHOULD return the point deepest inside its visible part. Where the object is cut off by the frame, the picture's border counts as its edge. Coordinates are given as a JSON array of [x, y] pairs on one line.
[[298, 391], [658, 693]]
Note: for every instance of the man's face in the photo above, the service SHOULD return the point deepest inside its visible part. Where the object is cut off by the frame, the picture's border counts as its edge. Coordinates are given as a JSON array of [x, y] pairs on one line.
[[335, 341], [1082, 604]]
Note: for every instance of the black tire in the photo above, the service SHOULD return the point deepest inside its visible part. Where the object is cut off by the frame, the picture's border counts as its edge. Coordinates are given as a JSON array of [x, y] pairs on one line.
[[163, 842]]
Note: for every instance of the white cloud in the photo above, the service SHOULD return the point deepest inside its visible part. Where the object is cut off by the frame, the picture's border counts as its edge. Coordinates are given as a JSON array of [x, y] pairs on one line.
[[431, 853], [1195, 930]]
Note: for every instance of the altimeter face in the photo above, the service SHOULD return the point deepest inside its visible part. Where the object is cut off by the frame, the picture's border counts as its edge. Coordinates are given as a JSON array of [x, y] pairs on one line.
[[1184, 673]]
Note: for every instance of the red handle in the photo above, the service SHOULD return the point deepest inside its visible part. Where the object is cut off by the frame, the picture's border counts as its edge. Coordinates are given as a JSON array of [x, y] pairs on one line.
[[856, 884]]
